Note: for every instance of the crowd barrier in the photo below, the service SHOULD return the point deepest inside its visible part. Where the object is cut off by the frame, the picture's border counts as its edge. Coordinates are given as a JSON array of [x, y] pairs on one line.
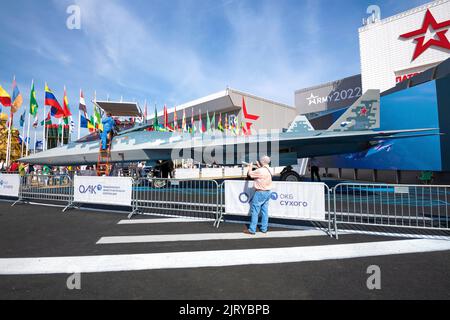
[[196, 199], [47, 188], [384, 205], [290, 202], [388, 205]]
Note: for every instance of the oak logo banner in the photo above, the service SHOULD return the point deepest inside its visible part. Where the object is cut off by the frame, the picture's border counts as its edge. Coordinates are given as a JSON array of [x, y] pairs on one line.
[[103, 190]]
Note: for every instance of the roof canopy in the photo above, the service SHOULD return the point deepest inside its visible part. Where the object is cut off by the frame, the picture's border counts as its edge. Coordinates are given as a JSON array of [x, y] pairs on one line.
[[120, 109]]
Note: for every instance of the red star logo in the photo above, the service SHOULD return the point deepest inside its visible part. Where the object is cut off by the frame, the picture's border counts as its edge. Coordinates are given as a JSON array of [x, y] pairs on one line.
[[364, 111], [419, 35]]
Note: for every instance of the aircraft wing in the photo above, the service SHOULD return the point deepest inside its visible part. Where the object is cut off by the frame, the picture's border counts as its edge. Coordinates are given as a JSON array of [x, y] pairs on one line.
[[331, 143]]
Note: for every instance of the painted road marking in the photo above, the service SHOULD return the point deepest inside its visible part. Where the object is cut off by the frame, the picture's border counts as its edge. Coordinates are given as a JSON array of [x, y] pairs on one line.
[[168, 220], [208, 236], [201, 259]]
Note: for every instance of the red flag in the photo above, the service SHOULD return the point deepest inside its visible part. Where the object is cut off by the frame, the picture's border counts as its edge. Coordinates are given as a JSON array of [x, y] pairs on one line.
[[166, 118]]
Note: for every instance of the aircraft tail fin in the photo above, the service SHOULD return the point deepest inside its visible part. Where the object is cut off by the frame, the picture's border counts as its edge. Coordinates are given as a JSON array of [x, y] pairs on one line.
[[300, 124], [364, 114]]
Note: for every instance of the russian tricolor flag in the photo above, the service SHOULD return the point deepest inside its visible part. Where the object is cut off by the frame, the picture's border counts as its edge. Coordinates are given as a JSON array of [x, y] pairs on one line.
[[50, 100]]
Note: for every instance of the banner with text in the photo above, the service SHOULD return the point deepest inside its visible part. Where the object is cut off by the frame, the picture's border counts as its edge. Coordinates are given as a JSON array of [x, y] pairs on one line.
[[9, 185], [103, 190], [290, 200]]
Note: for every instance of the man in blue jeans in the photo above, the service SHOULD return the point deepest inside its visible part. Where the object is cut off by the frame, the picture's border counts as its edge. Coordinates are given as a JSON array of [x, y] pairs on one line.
[[260, 202]]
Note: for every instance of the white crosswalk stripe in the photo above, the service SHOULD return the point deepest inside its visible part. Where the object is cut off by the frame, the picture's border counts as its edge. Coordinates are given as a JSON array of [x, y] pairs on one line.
[[209, 236], [220, 258], [212, 258], [165, 220]]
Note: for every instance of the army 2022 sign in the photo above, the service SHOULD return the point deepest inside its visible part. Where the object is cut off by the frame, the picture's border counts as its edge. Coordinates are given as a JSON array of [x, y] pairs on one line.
[[289, 200]]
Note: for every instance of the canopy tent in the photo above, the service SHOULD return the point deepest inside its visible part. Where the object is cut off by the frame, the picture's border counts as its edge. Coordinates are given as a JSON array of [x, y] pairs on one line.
[[120, 109]]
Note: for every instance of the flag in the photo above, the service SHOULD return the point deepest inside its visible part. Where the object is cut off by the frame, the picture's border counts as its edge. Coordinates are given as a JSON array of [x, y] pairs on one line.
[[66, 108], [155, 121], [166, 118], [175, 120], [236, 126], [50, 100], [213, 122], [36, 122], [17, 99], [192, 122], [184, 124], [91, 124], [72, 125], [243, 131], [208, 122], [98, 119], [33, 102], [145, 112], [22, 119], [5, 98], [48, 119], [226, 122], [219, 125], [200, 122], [82, 106], [38, 144], [84, 122]]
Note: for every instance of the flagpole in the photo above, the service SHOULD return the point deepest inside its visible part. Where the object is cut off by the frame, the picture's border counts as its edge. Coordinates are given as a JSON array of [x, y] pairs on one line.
[[8, 143], [44, 141], [79, 119], [63, 129], [24, 138], [35, 138], [28, 129], [28, 134]]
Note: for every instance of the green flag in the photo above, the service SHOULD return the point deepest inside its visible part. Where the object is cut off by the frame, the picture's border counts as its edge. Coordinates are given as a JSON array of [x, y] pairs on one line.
[[47, 120], [33, 103], [155, 121], [208, 122], [213, 122], [98, 116], [219, 126]]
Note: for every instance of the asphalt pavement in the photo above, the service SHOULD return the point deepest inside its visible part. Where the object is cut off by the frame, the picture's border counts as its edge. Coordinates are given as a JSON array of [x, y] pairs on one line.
[[157, 258]]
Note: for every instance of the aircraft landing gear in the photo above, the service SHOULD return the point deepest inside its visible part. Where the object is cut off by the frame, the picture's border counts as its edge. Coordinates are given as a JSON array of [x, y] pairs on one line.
[[288, 174]]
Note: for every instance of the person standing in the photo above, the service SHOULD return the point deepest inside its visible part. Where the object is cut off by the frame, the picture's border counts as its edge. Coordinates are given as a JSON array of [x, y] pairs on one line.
[[314, 167], [108, 126], [260, 202]]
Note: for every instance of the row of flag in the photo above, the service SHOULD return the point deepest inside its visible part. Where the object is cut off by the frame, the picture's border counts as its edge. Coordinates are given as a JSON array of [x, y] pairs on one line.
[[233, 125], [94, 122], [16, 101]]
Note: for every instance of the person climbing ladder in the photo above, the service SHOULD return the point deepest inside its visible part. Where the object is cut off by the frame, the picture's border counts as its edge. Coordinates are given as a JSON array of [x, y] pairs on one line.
[[108, 126]]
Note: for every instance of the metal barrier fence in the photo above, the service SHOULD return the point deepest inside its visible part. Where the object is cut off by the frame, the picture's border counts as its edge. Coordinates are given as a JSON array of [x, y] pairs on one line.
[[197, 199], [385, 205], [405, 206], [329, 222], [41, 187]]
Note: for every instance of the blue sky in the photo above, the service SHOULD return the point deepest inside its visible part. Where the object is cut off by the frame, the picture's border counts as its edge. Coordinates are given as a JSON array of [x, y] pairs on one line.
[[173, 51]]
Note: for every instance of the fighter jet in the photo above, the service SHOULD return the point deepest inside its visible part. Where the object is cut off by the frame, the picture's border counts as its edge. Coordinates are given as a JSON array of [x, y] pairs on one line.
[[355, 131]]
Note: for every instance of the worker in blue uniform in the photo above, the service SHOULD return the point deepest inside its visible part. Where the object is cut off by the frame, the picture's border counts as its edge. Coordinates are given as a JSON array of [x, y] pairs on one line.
[[108, 126]]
